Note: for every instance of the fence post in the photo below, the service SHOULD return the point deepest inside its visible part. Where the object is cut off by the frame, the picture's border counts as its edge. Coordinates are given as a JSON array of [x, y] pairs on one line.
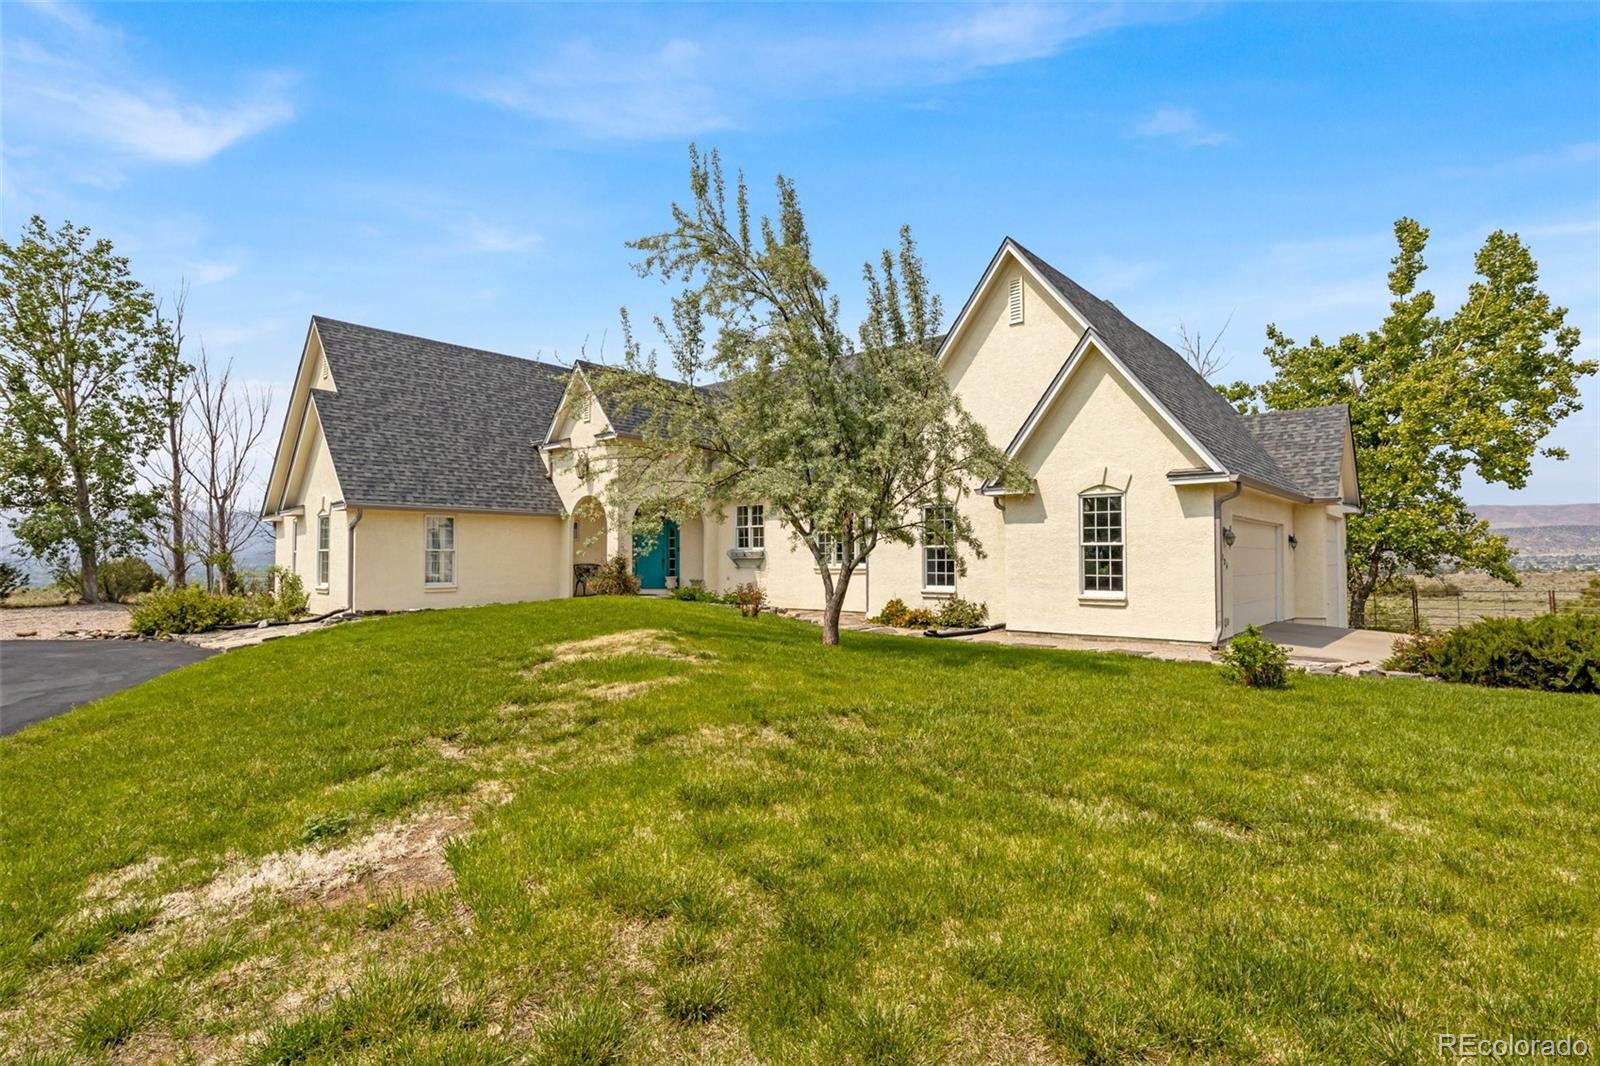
[[1416, 612], [1552, 601]]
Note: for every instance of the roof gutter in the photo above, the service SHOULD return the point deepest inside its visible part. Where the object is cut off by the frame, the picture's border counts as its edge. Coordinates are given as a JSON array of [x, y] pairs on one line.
[[350, 558], [1217, 542]]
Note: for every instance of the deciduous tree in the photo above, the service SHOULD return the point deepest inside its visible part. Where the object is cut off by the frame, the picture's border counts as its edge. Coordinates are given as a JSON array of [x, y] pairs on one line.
[[847, 441], [80, 349], [1432, 397]]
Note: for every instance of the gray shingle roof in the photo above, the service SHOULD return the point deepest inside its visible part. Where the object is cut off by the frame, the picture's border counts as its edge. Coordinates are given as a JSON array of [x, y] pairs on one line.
[[1200, 409], [634, 418], [1308, 444], [421, 423]]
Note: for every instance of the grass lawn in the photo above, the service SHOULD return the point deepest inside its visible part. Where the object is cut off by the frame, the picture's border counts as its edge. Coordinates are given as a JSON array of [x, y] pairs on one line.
[[634, 830]]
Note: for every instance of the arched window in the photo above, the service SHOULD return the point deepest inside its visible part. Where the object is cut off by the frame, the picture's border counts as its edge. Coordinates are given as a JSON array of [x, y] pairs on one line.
[[1101, 543]]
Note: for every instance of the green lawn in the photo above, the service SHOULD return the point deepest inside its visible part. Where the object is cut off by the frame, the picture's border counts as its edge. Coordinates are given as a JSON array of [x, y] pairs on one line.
[[722, 842]]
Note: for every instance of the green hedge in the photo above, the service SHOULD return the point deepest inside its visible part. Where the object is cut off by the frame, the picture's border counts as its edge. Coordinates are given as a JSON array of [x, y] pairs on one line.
[[1553, 652]]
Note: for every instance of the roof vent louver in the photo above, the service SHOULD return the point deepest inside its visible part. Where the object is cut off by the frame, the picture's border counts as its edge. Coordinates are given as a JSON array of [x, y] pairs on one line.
[[1014, 301]]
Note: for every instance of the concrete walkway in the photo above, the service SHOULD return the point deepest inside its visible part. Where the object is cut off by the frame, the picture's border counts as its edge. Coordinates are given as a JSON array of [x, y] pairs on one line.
[[1320, 649]]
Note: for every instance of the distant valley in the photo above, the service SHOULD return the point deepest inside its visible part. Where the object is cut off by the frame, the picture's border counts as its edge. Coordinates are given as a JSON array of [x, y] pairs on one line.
[[1562, 536]]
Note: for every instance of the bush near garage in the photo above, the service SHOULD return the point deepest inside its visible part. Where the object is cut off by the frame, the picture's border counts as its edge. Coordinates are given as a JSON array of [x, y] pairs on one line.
[[1552, 652]]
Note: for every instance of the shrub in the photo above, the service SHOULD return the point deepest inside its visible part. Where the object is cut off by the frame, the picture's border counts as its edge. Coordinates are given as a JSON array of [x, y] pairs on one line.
[[1554, 652], [700, 594], [614, 579], [12, 578], [750, 597], [1253, 660], [119, 580], [289, 599], [958, 613], [896, 613], [1415, 653], [187, 610]]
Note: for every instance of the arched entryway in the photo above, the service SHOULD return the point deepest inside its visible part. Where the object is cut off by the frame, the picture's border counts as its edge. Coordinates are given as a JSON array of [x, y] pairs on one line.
[[588, 542], [657, 559]]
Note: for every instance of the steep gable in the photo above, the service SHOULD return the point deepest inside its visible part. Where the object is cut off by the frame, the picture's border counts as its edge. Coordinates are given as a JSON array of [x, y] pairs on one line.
[[412, 422]]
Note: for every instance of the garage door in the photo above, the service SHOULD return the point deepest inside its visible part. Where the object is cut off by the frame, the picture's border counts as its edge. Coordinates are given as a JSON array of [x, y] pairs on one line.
[[1254, 559]]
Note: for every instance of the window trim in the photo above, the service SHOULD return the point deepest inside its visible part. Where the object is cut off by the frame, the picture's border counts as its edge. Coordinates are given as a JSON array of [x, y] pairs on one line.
[[949, 560], [294, 544], [833, 548], [324, 549], [427, 550], [1116, 595], [750, 527]]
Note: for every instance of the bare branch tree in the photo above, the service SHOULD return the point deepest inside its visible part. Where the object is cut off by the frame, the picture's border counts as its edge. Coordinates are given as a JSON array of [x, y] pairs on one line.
[[170, 393], [228, 418], [1202, 356]]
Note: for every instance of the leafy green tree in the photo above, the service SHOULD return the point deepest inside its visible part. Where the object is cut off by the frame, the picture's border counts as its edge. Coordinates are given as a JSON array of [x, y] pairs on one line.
[[1432, 397], [81, 351], [847, 441]]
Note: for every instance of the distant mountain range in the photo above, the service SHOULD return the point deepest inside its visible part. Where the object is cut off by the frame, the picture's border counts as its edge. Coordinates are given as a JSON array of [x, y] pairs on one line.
[[1562, 536]]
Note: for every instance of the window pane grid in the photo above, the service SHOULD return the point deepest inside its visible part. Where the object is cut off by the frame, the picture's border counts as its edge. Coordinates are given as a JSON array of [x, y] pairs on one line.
[[439, 551], [938, 562], [750, 526], [1101, 545]]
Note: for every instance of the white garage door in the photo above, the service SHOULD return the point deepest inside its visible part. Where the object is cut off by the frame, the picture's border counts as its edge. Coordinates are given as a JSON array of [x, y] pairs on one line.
[[1254, 559]]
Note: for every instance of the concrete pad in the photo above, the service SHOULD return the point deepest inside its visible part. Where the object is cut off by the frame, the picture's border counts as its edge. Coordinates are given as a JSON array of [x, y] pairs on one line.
[[1330, 643]]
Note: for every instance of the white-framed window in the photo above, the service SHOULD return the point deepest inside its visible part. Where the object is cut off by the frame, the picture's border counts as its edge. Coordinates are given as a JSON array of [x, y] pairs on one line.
[[1100, 541], [938, 560], [439, 551], [831, 548], [324, 545], [750, 526]]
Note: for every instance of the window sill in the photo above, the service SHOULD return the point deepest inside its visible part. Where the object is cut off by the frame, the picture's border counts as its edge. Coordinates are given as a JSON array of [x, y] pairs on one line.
[[942, 592], [1103, 599], [322, 589], [439, 588], [748, 557]]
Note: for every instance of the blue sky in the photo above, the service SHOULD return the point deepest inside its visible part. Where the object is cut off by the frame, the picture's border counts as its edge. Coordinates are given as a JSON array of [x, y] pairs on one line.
[[471, 172]]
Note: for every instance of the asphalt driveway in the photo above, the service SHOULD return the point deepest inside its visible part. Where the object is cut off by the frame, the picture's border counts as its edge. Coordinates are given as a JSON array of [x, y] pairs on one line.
[[42, 678]]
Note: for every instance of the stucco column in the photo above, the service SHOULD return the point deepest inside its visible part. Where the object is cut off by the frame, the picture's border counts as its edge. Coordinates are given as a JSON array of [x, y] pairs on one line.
[[568, 557]]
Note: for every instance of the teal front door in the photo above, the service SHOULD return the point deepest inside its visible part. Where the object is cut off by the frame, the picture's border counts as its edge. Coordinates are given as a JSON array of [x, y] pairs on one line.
[[654, 563]]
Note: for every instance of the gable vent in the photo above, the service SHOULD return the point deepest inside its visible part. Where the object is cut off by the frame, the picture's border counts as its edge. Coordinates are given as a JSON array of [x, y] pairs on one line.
[[1014, 301]]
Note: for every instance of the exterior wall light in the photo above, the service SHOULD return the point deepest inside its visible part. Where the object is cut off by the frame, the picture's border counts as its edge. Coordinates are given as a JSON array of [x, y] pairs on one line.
[[1227, 535], [1292, 542]]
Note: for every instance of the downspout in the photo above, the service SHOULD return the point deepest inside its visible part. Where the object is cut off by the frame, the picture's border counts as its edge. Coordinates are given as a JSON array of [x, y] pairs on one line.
[[1216, 539], [350, 562]]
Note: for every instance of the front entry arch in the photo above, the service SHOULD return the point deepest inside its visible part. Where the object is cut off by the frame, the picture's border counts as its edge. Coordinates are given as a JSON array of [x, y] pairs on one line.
[[656, 561]]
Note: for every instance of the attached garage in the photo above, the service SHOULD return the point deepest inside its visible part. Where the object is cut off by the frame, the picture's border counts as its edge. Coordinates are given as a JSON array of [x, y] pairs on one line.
[[1257, 562]]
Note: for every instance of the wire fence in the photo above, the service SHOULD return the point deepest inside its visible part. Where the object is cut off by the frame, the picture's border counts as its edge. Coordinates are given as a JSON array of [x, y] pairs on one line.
[[1407, 611]]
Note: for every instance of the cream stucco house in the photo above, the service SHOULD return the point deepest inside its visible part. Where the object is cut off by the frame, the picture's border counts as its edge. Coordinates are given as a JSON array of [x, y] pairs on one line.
[[413, 473]]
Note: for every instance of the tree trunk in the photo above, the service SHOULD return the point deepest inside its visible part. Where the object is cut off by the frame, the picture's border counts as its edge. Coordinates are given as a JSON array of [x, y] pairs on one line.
[[180, 556], [1361, 590], [89, 573], [830, 623], [88, 554]]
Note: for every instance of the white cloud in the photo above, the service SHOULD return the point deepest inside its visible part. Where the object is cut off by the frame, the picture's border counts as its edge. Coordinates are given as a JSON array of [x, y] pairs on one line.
[[484, 236], [212, 271], [1581, 153], [1182, 125], [73, 82], [658, 86]]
